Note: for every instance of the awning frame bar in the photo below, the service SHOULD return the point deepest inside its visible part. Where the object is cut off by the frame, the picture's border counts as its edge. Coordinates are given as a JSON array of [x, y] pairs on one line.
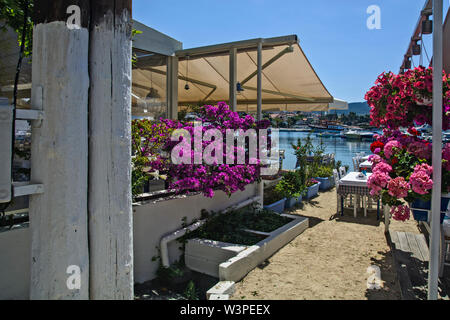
[[180, 77], [244, 44], [268, 63], [280, 94]]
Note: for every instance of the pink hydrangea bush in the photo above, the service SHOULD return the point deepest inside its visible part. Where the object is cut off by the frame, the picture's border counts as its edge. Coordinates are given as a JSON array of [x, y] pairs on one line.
[[396, 100], [401, 168], [398, 187], [391, 148], [400, 212], [420, 179], [402, 171]]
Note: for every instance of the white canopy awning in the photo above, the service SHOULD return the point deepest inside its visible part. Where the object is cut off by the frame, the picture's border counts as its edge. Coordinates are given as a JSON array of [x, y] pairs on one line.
[[338, 104], [289, 82]]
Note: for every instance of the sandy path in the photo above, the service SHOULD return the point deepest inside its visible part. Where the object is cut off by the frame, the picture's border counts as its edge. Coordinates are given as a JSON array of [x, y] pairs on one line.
[[329, 260]]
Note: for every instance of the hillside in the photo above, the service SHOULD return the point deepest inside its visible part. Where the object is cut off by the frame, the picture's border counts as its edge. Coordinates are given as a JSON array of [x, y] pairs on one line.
[[360, 108]]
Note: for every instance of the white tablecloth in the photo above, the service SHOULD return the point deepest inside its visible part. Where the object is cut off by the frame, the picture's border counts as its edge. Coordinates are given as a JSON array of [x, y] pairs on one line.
[[366, 164], [351, 179]]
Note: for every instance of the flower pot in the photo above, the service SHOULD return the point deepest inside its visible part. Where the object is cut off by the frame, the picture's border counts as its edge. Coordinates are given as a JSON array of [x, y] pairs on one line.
[[156, 185], [325, 183], [290, 202], [313, 191], [277, 206], [420, 215], [299, 199]]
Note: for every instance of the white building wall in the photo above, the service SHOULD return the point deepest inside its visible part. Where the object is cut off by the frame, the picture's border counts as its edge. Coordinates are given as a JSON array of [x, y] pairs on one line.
[[15, 265]]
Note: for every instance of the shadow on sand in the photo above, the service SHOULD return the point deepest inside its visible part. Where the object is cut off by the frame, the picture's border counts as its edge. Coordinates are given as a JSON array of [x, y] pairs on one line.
[[390, 289], [349, 217]]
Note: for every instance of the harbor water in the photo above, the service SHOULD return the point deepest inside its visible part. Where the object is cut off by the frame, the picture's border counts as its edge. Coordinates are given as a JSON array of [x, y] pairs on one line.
[[343, 149]]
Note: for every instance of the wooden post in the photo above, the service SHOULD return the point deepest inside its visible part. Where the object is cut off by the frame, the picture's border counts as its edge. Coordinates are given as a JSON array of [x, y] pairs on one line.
[[58, 217], [110, 211]]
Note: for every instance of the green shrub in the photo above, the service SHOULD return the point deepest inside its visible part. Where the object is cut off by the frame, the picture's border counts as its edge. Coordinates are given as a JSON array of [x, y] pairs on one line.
[[191, 292], [292, 184], [272, 195], [323, 172]]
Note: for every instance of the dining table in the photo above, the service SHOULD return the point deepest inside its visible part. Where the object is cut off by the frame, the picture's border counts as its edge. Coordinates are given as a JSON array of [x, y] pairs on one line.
[[366, 165], [355, 183]]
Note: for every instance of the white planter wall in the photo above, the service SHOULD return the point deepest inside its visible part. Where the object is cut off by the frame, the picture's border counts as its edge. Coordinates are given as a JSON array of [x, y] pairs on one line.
[[152, 220]]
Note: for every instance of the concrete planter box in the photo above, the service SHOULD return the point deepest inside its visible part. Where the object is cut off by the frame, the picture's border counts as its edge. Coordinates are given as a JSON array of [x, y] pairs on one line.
[[325, 183], [231, 262], [313, 191], [277, 206], [290, 202]]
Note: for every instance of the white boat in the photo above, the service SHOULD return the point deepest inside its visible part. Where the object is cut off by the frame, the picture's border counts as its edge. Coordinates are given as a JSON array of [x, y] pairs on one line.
[[366, 135], [353, 135]]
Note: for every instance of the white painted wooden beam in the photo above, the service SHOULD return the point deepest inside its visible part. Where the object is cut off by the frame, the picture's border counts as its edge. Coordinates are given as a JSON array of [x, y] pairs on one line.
[[58, 217], [110, 212], [435, 237], [6, 121]]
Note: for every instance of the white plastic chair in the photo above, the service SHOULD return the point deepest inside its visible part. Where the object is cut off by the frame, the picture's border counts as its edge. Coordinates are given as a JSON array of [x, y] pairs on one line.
[[336, 182], [356, 161]]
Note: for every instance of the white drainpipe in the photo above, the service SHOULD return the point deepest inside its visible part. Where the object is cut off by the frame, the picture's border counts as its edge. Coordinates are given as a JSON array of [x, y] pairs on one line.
[[181, 232]]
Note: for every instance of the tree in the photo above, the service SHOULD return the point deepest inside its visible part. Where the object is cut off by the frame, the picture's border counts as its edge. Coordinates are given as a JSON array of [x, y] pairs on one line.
[[12, 15]]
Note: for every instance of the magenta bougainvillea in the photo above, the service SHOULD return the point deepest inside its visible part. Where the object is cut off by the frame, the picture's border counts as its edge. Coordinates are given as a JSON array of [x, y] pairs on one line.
[[399, 100], [201, 177]]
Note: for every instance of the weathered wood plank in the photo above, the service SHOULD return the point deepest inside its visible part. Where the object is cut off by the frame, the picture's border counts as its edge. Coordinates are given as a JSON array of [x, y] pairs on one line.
[[394, 237], [423, 247], [409, 251], [403, 242], [414, 246]]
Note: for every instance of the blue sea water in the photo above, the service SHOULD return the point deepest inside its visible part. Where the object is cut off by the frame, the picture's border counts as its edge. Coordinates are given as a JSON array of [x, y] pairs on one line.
[[343, 149]]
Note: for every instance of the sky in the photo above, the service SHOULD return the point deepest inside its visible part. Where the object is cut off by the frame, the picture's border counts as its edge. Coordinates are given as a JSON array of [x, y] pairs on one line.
[[345, 53]]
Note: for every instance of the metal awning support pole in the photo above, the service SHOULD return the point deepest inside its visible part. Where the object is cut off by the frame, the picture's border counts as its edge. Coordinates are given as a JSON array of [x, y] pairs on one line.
[[172, 87], [233, 79], [259, 83], [259, 110], [437, 152]]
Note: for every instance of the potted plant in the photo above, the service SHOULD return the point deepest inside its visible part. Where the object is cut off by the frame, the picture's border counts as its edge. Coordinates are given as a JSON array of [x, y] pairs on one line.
[[312, 188], [402, 169], [402, 172], [274, 200], [291, 188], [400, 100], [324, 175]]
